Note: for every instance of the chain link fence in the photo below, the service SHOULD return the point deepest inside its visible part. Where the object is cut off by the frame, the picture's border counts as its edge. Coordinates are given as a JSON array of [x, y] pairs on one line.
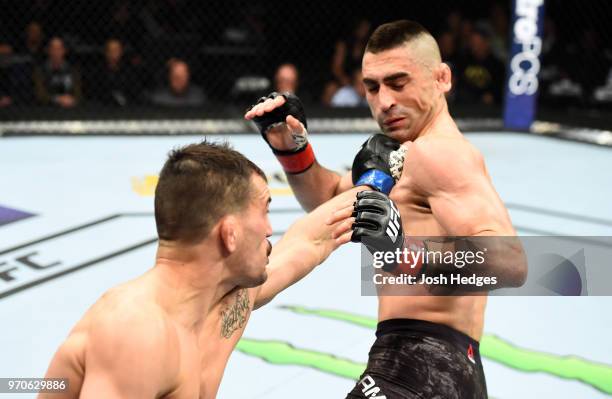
[[190, 53]]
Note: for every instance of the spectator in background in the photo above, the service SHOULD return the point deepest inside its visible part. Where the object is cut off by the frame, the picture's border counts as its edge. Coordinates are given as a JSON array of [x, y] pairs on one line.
[[347, 58], [352, 95], [286, 78], [113, 81], [481, 75], [33, 43], [56, 81], [180, 92], [17, 65]]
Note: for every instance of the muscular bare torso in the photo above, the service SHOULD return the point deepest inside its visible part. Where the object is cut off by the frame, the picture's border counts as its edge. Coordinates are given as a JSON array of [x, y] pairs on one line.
[[463, 313], [197, 358]]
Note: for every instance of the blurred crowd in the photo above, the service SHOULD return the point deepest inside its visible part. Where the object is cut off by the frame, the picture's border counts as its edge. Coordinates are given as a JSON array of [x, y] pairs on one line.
[[150, 52]]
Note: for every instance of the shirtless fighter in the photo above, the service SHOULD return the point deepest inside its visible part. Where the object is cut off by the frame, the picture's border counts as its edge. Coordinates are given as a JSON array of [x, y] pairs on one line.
[[169, 333], [427, 345]]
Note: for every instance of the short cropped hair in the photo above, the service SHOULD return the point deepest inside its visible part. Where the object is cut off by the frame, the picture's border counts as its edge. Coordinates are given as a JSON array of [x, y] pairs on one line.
[[198, 185], [394, 34]]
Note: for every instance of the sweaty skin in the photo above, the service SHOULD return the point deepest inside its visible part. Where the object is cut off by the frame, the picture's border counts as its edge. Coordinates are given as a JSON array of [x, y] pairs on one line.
[[147, 339], [445, 189]]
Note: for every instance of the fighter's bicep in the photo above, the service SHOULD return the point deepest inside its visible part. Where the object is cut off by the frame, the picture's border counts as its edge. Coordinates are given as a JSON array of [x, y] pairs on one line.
[[469, 209], [281, 273]]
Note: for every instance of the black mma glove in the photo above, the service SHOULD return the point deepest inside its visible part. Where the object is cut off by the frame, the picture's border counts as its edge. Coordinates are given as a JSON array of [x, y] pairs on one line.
[[378, 226], [302, 157], [378, 163]]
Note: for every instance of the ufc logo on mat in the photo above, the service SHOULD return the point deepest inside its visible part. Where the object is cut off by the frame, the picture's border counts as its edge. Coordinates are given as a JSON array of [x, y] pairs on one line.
[[393, 227], [370, 390]]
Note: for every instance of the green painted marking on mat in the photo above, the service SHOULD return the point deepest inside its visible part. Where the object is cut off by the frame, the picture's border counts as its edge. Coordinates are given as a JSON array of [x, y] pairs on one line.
[[597, 375], [278, 352], [362, 321]]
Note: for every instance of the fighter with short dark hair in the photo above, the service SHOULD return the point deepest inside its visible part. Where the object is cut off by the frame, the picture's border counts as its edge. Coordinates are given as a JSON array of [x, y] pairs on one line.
[[169, 333], [427, 344]]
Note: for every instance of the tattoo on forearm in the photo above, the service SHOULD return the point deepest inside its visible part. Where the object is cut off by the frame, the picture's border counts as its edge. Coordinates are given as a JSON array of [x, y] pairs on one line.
[[234, 316]]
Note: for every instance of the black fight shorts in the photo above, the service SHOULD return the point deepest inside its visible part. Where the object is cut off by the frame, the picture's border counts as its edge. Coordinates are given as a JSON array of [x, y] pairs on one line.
[[421, 360]]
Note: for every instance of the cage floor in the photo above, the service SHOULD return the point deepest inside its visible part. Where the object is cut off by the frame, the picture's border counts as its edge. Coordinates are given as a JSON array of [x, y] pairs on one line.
[[81, 208]]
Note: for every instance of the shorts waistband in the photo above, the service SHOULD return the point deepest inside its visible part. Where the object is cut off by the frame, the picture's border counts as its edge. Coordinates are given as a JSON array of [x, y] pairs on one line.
[[407, 326]]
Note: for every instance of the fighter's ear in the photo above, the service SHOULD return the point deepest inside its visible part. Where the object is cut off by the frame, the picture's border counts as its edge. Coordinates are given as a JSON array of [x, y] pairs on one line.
[[443, 77], [228, 230]]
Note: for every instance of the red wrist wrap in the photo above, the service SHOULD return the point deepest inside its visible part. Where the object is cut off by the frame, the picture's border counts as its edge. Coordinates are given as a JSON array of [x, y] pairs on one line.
[[298, 162]]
